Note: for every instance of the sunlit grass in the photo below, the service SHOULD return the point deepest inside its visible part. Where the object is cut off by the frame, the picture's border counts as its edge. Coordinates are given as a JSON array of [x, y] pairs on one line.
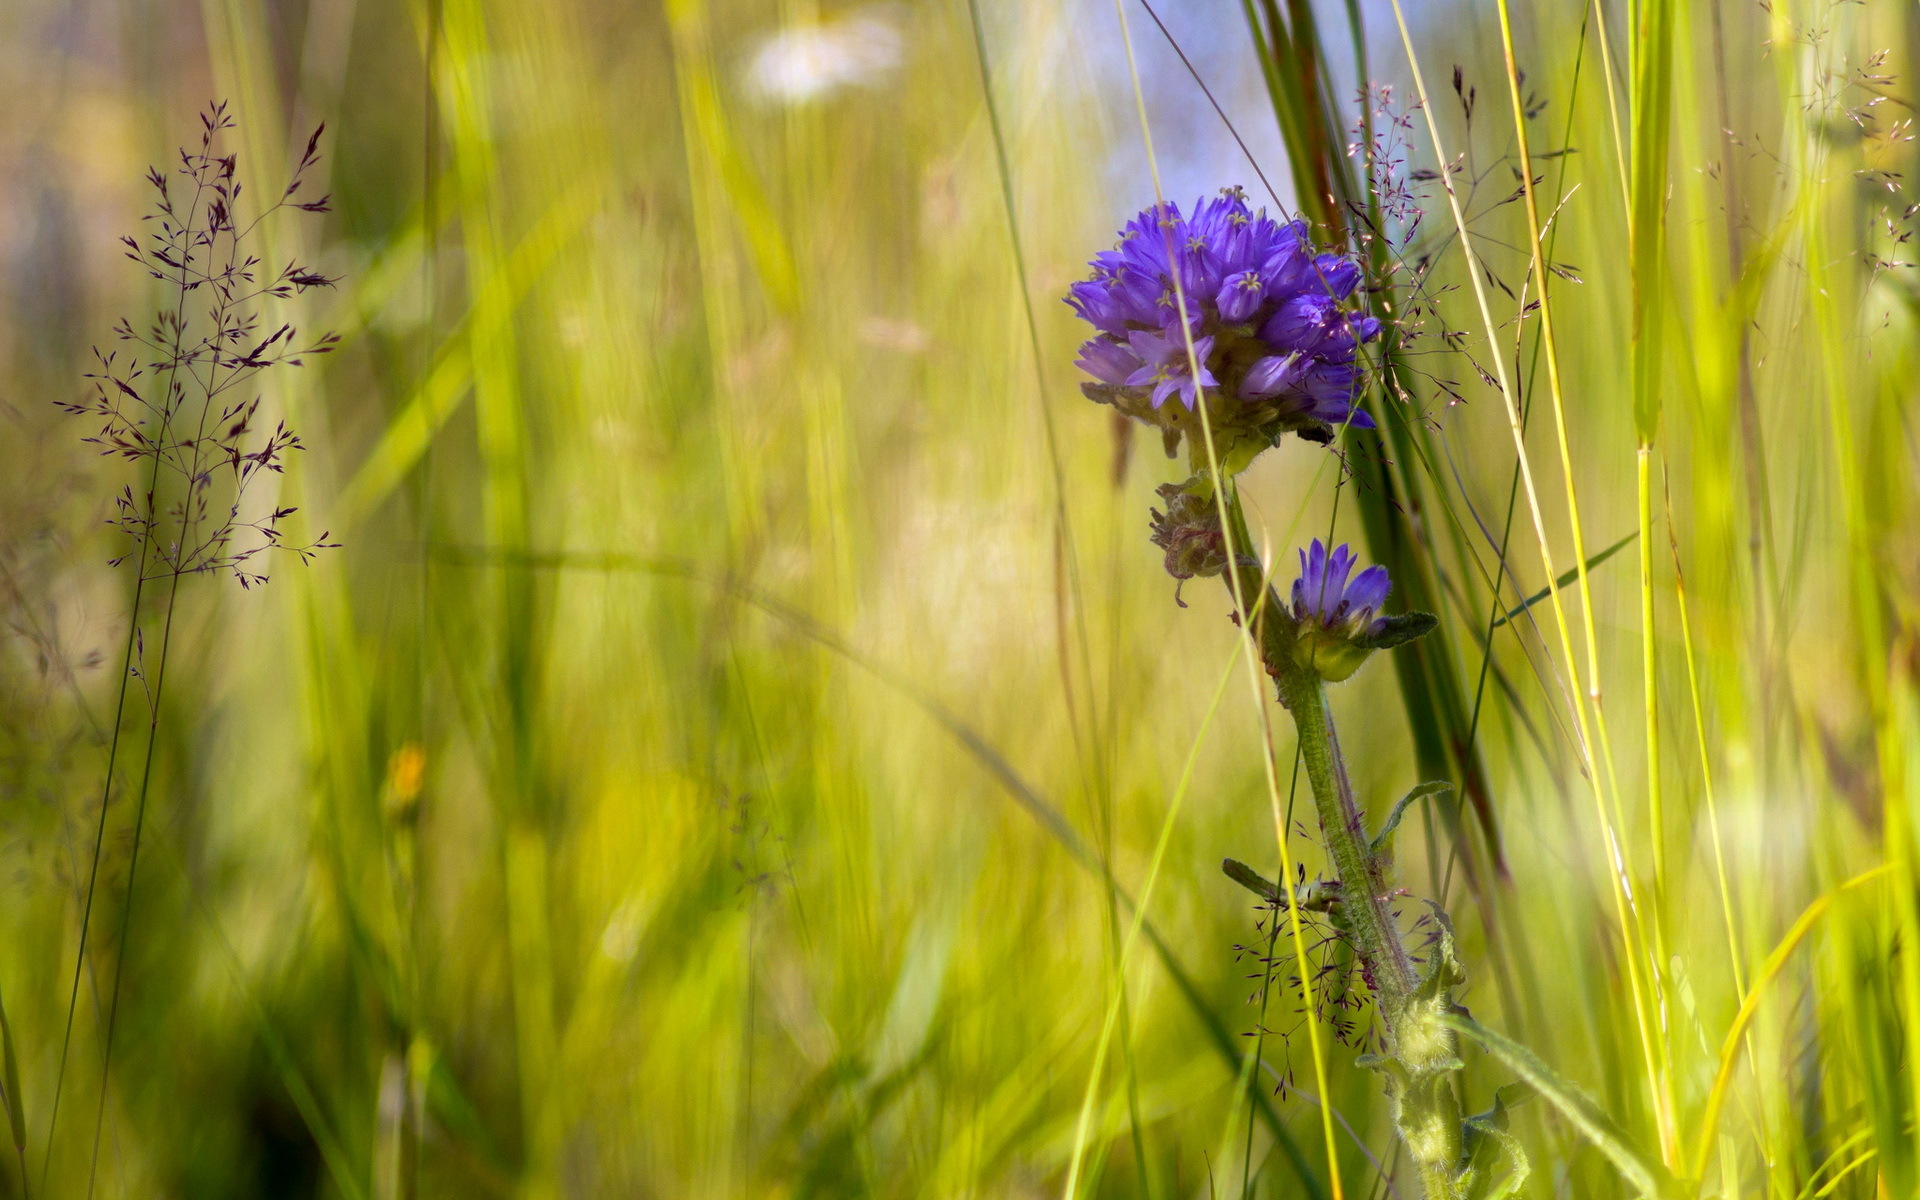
[[725, 756]]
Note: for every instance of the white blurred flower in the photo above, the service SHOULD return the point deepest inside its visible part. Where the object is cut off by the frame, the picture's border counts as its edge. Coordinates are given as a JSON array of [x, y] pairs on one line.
[[809, 62], [907, 337]]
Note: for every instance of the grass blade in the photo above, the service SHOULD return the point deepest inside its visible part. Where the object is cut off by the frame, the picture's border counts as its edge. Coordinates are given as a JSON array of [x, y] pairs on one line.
[[1566, 579]]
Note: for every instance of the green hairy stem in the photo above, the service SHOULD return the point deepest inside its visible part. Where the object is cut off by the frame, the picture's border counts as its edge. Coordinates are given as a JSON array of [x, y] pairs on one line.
[[1419, 1052]]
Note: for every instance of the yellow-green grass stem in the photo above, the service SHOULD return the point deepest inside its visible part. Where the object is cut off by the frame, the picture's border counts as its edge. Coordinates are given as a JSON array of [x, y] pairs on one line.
[[1090, 1096], [1823, 294], [1613, 101], [1730, 1044], [1707, 791], [1612, 846], [1651, 32]]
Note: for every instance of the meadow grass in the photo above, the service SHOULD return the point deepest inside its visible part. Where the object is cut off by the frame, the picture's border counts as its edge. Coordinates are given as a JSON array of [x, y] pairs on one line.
[[746, 745]]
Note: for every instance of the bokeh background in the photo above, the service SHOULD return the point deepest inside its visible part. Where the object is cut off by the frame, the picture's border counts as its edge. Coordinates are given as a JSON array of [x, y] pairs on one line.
[[712, 763]]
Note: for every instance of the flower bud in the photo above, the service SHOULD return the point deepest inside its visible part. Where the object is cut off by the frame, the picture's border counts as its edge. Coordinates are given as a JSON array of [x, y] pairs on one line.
[[1189, 531], [1337, 622]]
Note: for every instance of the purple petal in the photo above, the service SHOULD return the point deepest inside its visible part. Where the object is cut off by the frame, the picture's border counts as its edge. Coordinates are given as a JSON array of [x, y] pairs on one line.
[[1286, 267], [1369, 589], [1316, 591], [1096, 303], [1272, 375], [1300, 585], [1300, 324], [1337, 276], [1150, 347], [1338, 567], [1107, 361], [1199, 269]]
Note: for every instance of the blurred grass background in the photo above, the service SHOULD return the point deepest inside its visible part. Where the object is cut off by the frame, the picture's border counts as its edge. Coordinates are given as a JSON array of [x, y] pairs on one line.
[[712, 764]]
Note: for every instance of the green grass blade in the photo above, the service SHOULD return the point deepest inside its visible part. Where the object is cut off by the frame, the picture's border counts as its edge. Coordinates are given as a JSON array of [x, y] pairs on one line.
[[1566, 579]]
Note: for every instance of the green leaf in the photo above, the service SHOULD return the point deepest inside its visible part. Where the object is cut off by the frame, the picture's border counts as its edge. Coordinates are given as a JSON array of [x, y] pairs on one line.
[[448, 1104], [1487, 1144], [1445, 972], [1430, 788], [1241, 452], [1639, 1168], [1316, 895], [1399, 630], [1251, 880], [1566, 579], [10, 1066], [1199, 485]]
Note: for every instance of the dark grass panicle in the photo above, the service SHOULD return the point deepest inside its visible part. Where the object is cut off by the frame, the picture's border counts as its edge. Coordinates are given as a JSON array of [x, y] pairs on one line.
[[180, 398], [180, 402]]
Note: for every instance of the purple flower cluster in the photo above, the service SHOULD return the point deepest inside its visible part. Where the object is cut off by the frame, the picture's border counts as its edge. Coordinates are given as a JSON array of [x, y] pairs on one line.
[[1264, 312], [1324, 596]]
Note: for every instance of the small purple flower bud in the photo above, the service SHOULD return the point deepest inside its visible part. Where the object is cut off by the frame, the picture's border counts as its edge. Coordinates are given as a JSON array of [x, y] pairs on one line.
[[1322, 595], [1335, 614]]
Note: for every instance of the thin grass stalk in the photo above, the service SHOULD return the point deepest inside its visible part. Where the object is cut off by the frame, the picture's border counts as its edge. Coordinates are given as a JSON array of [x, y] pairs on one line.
[[1593, 696], [1613, 105], [1502, 575], [100, 832], [1736, 1031], [133, 863], [113, 747], [1114, 1004], [1250, 614], [1652, 108], [1707, 790]]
